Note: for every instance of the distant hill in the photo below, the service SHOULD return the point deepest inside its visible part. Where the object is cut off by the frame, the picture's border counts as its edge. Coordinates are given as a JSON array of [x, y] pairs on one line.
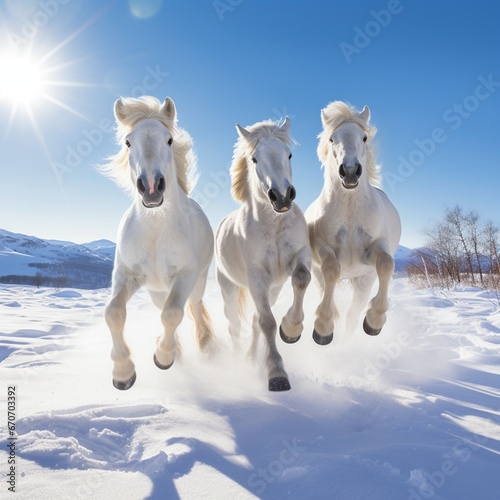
[[35, 261], [403, 258]]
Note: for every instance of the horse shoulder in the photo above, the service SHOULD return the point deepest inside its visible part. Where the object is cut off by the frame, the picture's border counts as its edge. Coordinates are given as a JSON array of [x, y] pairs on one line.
[[389, 214], [296, 229]]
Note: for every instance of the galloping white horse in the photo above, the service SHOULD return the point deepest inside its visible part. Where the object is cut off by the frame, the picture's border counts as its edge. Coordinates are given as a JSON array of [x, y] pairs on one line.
[[354, 229], [265, 241], [165, 242]]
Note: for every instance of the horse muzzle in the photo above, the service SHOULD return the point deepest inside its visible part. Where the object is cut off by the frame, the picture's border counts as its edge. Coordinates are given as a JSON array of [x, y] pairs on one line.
[[282, 203], [152, 195], [350, 174]]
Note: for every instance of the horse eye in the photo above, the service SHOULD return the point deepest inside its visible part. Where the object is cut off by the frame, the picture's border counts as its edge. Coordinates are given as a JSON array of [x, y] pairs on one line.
[[254, 159], [290, 156], [331, 140], [127, 143], [170, 141], [364, 138]]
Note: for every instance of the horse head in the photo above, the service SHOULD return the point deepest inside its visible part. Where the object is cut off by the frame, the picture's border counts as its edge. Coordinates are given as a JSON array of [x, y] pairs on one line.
[[149, 145], [269, 163], [348, 144]]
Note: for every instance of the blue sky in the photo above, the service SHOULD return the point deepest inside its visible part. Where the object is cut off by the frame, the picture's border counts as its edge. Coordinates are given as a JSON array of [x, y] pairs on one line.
[[429, 71]]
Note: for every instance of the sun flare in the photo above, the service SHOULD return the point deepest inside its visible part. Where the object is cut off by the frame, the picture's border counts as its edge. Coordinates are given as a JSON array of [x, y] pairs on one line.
[[21, 80]]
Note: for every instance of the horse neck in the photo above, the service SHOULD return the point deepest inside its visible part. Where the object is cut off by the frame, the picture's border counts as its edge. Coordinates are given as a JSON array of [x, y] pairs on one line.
[[257, 202]]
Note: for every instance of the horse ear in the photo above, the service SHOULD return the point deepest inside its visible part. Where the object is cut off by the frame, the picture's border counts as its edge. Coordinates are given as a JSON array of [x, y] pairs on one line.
[[365, 114], [243, 132], [119, 109], [285, 126], [324, 121], [168, 108]]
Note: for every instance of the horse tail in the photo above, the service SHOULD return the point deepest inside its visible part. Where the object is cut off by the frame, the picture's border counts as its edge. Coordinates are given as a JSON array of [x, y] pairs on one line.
[[242, 302], [203, 324]]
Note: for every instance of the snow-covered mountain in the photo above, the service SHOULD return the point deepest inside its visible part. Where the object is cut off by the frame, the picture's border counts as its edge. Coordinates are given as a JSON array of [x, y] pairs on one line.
[[402, 258], [35, 261], [30, 260]]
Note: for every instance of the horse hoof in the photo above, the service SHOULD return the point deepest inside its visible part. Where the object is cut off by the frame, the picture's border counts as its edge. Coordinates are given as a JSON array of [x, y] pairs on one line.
[[322, 339], [159, 365], [287, 339], [279, 384], [369, 330], [127, 384]]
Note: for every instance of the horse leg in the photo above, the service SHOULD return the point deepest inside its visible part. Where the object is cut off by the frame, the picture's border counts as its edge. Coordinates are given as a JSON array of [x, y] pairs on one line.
[[252, 353], [231, 295], [375, 316], [115, 314], [292, 324], [256, 330], [362, 286], [202, 320], [171, 316], [326, 311], [277, 376]]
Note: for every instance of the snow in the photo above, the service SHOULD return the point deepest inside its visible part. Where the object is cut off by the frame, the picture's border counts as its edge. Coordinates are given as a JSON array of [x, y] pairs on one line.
[[66, 294], [412, 413]]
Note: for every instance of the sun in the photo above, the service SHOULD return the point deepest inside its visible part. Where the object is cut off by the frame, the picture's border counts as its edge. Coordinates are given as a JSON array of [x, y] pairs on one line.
[[20, 80]]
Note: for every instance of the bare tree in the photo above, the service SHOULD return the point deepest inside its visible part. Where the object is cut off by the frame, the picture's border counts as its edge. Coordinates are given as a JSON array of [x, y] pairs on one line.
[[460, 249], [474, 230], [491, 249], [444, 246], [457, 221]]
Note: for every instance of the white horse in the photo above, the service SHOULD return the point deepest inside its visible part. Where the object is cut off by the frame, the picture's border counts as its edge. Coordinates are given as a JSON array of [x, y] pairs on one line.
[[353, 227], [165, 242], [264, 242]]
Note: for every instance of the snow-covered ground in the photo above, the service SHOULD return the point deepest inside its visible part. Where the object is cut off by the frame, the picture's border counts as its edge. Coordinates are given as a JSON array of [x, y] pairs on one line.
[[413, 413]]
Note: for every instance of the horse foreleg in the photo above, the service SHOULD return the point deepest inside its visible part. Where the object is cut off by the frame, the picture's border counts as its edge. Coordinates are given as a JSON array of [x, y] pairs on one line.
[[232, 298], [115, 315], [171, 316], [375, 316], [277, 376], [326, 311], [362, 286], [292, 324]]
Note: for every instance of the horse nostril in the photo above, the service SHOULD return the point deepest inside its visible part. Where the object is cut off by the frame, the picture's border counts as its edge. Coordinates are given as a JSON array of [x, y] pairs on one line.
[[161, 184], [359, 169], [291, 193], [342, 170], [272, 195], [140, 186]]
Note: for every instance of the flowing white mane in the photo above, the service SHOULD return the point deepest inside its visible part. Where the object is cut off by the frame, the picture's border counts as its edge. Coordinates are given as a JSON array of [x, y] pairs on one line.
[[139, 109], [336, 114], [243, 150]]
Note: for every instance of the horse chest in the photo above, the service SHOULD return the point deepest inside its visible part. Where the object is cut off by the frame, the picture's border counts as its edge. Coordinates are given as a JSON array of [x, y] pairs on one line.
[[153, 258], [352, 246], [274, 251]]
